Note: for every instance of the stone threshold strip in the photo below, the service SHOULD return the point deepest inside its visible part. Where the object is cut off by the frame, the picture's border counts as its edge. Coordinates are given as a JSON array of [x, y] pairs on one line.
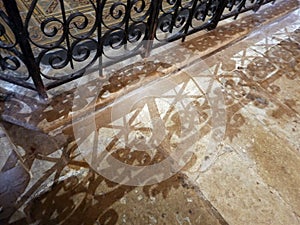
[[53, 116]]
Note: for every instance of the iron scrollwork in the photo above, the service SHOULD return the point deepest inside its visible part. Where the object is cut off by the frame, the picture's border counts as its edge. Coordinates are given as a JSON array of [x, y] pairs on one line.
[[68, 40], [11, 57]]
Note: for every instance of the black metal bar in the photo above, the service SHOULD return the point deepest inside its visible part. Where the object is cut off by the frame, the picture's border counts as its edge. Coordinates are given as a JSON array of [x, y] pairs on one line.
[[175, 14], [22, 39], [217, 16], [241, 6], [66, 32], [190, 18], [100, 6], [152, 26]]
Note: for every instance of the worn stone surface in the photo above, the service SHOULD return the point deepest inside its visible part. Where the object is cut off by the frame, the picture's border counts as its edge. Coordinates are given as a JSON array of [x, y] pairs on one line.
[[255, 179], [278, 165], [230, 120], [235, 188], [94, 200]]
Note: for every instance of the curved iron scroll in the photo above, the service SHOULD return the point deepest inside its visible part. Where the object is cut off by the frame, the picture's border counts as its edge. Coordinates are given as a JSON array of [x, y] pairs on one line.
[[43, 52]]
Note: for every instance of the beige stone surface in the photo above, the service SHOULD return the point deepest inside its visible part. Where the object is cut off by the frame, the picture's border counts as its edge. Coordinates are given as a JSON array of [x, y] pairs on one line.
[[234, 186], [236, 109], [255, 178]]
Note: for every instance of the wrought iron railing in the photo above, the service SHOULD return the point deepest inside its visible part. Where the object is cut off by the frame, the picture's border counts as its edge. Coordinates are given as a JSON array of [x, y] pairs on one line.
[[42, 49]]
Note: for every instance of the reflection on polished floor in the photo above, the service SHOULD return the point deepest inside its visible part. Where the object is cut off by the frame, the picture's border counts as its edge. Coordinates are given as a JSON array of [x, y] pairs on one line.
[[205, 132]]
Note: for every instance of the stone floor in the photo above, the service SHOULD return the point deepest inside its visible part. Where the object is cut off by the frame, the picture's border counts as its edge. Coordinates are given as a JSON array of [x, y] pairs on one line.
[[205, 132]]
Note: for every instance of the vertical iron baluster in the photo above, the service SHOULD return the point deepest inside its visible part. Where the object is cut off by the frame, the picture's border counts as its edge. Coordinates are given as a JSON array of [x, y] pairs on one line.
[[242, 4], [190, 19], [66, 32], [231, 5], [175, 14], [152, 26], [100, 6], [127, 16], [218, 14], [22, 38], [2, 64], [207, 6], [259, 3]]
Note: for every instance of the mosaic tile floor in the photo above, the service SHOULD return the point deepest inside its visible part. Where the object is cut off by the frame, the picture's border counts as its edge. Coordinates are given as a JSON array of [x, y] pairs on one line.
[[214, 142]]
